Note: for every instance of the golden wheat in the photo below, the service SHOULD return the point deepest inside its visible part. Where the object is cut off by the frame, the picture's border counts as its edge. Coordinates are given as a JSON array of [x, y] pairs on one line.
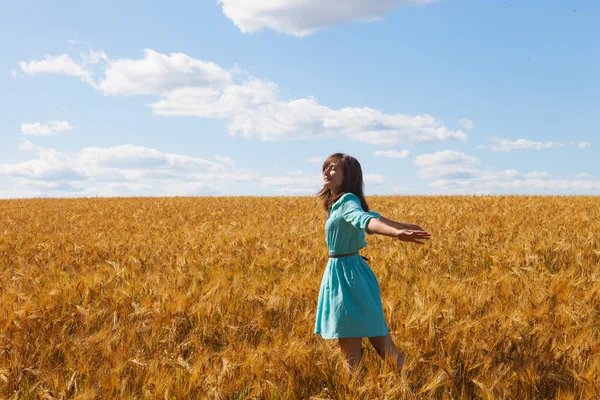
[[215, 298]]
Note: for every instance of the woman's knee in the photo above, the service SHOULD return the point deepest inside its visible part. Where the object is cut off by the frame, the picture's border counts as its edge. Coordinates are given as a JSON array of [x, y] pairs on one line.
[[350, 345]]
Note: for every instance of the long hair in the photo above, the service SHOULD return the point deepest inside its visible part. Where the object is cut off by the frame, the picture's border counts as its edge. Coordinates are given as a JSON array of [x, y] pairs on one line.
[[352, 182]]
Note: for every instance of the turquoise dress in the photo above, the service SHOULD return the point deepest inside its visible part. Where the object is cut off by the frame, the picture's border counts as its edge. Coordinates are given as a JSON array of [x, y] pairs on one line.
[[349, 302]]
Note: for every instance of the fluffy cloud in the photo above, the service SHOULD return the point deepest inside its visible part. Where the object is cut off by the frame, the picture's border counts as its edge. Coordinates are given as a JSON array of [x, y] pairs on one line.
[[129, 170], [446, 164], [189, 87], [48, 129], [520, 144], [506, 145], [466, 123], [392, 154], [225, 102], [312, 182], [158, 73], [224, 160], [136, 157], [374, 179], [304, 17], [123, 169], [581, 145], [294, 186], [93, 57], [517, 183], [456, 172], [62, 64], [445, 158], [51, 165], [306, 119]]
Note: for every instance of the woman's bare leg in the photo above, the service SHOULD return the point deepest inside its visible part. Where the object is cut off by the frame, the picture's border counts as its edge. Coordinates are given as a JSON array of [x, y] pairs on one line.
[[352, 350], [385, 347]]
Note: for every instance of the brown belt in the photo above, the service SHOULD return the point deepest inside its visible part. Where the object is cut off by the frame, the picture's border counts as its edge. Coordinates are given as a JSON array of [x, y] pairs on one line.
[[346, 255]]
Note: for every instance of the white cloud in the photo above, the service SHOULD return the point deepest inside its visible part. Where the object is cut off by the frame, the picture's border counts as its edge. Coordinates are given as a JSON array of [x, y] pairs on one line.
[[56, 187], [158, 73], [190, 87], [62, 64], [392, 154], [274, 181], [129, 170], [581, 145], [456, 173], [50, 165], [293, 185], [519, 185], [445, 157], [224, 160], [118, 164], [306, 119], [94, 57], [136, 157], [77, 41], [446, 164], [225, 102], [506, 145], [13, 72], [304, 17], [466, 123], [316, 160], [48, 129], [373, 179], [537, 175], [26, 145]]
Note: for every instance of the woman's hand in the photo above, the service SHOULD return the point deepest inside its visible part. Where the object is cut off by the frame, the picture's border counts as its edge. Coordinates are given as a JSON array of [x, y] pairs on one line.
[[415, 236]]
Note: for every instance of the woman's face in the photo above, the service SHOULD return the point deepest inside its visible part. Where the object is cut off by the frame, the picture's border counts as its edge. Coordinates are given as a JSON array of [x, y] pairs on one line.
[[333, 177]]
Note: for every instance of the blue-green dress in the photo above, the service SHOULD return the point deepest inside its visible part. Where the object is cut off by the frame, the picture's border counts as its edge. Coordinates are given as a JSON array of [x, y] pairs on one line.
[[349, 302]]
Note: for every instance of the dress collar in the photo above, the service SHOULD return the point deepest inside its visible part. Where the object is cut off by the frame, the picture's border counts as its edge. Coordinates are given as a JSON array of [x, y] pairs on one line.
[[339, 201]]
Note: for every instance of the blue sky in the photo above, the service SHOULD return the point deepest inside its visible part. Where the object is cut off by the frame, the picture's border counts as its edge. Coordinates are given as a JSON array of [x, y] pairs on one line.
[[233, 97]]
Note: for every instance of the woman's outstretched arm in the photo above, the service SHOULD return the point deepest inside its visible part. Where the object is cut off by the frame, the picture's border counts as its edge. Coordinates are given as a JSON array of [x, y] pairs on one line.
[[406, 235], [400, 225]]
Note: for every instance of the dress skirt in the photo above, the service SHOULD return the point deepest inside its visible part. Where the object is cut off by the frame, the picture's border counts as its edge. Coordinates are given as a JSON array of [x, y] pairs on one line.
[[349, 302]]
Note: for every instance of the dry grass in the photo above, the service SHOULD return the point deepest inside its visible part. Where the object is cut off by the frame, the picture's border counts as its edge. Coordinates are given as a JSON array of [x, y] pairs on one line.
[[215, 298]]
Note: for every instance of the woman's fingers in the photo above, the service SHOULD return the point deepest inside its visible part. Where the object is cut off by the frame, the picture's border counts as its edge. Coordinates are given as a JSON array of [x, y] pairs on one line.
[[413, 235], [421, 233], [417, 235]]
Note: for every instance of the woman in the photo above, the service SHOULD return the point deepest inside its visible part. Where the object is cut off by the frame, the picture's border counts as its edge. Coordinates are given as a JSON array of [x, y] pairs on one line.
[[349, 306]]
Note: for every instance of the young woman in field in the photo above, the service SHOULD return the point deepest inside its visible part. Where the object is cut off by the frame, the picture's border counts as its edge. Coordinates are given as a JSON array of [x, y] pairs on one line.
[[349, 306]]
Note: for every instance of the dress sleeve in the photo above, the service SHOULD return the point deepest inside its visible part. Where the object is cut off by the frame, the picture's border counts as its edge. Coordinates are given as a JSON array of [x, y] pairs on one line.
[[353, 213], [375, 215]]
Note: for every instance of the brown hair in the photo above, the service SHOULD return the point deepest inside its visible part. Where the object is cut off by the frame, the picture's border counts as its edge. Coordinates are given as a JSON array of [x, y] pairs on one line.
[[352, 183]]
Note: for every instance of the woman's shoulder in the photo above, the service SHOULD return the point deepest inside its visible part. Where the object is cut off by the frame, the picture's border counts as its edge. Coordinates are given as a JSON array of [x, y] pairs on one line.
[[349, 197], [345, 198]]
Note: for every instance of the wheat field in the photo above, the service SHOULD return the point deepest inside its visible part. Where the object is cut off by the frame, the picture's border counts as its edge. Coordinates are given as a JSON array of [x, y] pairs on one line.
[[185, 298]]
